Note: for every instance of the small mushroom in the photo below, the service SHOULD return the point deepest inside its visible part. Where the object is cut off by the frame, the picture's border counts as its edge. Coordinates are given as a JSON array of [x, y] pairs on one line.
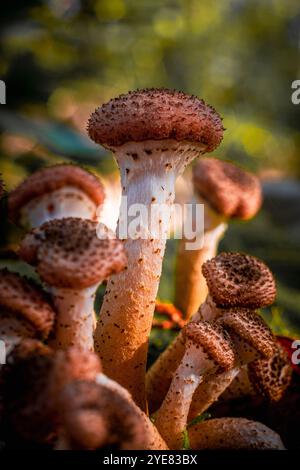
[[33, 380], [72, 261], [227, 192], [56, 192], [234, 280], [24, 310], [101, 414], [207, 347], [233, 434], [154, 135], [252, 340]]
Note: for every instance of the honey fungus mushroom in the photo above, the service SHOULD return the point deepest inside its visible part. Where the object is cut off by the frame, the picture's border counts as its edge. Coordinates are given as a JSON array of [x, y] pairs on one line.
[[227, 192], [207, 347], [154, 134], [56, 192], [234, 434], [34, 378], [72, 257], [234, 280], [25, 310]]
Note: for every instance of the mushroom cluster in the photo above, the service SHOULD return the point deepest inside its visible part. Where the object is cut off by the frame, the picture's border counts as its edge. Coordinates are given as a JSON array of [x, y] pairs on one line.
[[73, 380]]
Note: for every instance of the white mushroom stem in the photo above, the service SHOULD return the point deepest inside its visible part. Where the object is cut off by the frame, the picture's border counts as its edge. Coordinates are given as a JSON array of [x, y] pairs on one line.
[[210, 390], [68, 201], [148, 174], [159, 376], [191, 288], [171, 418], [75, 322]]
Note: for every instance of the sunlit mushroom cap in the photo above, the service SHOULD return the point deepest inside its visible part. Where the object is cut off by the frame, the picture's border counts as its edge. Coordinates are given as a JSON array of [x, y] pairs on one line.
[[239, 280], [69, 253], [113, 423], [228, 189], [271, 377], [234, 433], [156, 114], [214, 340], [24, 299], [50, 179], [249, 327]]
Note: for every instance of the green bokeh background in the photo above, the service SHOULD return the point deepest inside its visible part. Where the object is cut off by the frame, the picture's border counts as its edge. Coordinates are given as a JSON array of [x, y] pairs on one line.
[[62, 58]]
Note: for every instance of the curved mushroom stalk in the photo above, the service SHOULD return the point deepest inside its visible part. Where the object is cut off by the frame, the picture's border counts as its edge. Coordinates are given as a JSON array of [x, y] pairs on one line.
[[154, 135], [73, 256], [252, 340], [75, 317], [54, 193], [234, 280], [207, 348], [159, 376], [233, 433], [227, 192]]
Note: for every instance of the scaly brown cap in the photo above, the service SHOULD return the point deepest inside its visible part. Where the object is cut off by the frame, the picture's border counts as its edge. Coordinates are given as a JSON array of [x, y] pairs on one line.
[[95, 418], [228, 189], [214, 340], [238, 280], [68, 253], [24, 299], [50, 179], [249, 327], [271, 377], [156, 114], [234, 433]]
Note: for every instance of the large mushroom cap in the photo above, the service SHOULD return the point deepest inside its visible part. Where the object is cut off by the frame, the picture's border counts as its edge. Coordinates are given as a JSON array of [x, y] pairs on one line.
[[214, 340], [82, 401], [248, 326], [68, 252], [228, 189], [156, 114], [234, 433], [238, 280], [50, 179], [24, 299], [271, 377]]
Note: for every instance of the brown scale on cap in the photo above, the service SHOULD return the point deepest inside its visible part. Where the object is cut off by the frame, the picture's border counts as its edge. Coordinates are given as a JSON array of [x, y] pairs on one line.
[[51, 179], [239, 280], [271, 377], [233, 433], [228, 189], [68, 253], [156, 114], [23, 298], [249, 327], [214, 340], [93, 418]]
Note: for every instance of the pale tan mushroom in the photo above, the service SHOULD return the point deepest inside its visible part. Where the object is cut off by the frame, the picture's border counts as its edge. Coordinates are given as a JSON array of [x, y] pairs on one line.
[[73, 260], [234, 280], [207, 347], [154, 135], [227, 192], [56, 192], [233, 434]]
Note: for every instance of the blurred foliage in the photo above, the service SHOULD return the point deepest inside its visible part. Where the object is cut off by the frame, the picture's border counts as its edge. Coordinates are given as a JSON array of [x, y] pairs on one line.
[[62, 58]]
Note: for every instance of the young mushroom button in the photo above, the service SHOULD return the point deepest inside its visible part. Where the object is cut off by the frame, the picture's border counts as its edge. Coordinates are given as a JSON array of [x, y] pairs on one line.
[[56, 192], [72, 257], [227, 192], [154, 134]]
